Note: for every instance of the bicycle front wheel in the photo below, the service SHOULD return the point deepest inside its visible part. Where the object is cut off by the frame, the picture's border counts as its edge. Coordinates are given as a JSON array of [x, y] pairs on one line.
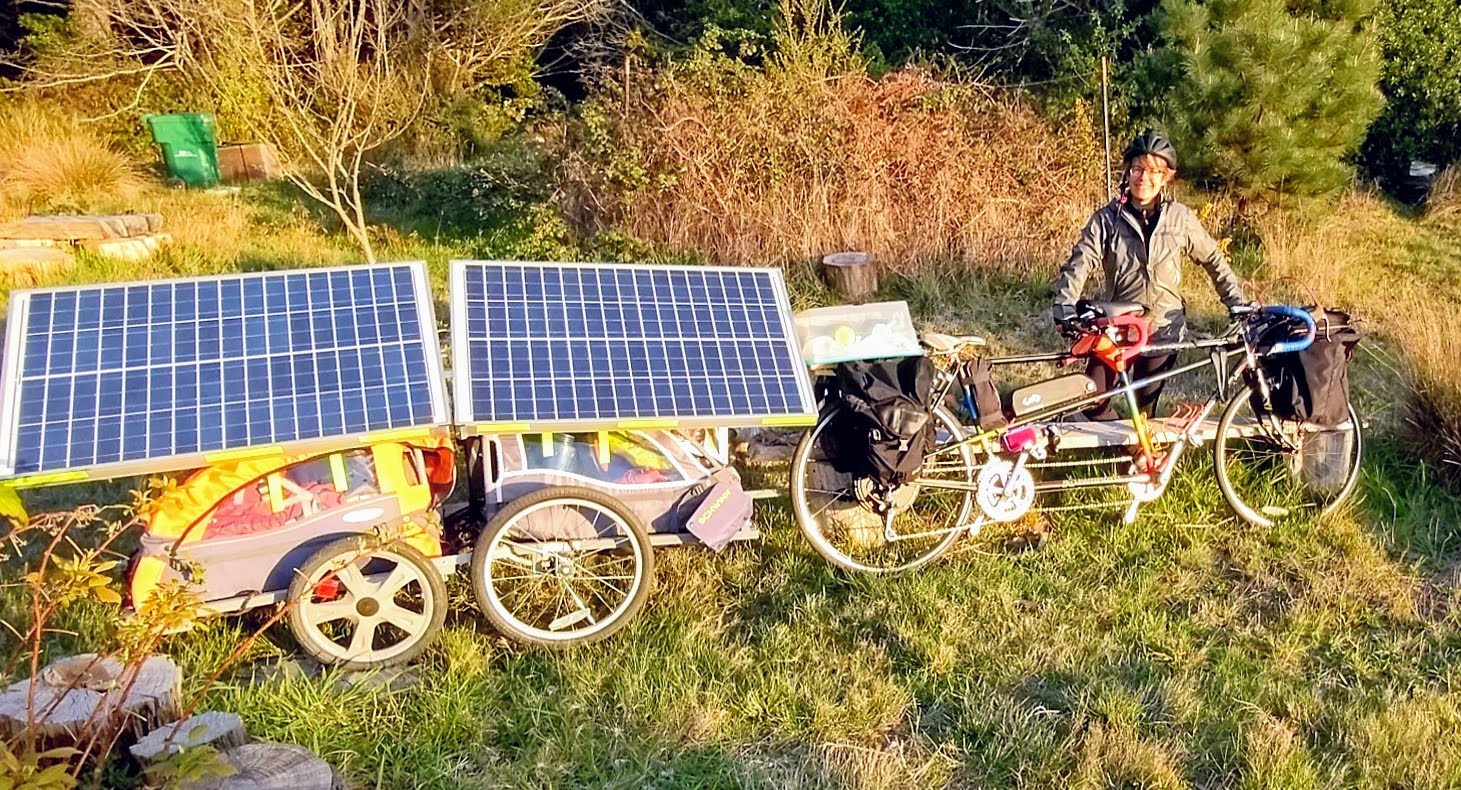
[[1273, 470], [843, 517]]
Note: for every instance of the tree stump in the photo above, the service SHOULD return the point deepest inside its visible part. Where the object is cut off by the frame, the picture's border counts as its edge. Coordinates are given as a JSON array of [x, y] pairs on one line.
[[829, 497], [851, 274], [271, 766], [222, 731], [77, 696]]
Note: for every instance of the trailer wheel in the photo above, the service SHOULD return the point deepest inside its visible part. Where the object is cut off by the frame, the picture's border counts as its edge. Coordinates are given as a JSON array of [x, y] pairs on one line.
[[358, 605], [562, 566]]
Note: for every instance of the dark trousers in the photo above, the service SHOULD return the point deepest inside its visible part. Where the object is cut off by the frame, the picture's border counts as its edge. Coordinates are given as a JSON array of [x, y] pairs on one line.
[[1140, 368]]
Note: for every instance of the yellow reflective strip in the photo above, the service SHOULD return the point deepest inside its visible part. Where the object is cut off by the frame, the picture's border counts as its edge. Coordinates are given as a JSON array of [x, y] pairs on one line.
[[546, 437], [337, 471], [795, 420], [246, 452], [604, 455], [400, 434], [502, 427], [645, 424], [48, 479], [276, 493]]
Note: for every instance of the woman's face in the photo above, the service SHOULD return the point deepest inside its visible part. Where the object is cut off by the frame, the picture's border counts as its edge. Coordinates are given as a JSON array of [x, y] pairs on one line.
[[1147, 176]]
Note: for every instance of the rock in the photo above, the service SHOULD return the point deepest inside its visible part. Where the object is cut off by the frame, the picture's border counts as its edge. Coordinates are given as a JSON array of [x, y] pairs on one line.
[[135, 248], [220, 730], [384, 679]]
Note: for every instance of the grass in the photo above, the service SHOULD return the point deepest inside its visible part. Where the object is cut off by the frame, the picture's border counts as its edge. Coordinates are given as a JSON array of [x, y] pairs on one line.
[[1184, 650], [52, 160]]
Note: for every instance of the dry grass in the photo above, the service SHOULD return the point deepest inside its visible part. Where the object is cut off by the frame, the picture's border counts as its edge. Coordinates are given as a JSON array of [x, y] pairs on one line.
[[809, 155], [1399, 275], [1445, 199], [50, 160], [1434, 347]]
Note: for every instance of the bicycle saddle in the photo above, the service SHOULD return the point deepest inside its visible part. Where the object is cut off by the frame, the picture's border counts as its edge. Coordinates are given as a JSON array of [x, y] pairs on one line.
[[1113, 309]]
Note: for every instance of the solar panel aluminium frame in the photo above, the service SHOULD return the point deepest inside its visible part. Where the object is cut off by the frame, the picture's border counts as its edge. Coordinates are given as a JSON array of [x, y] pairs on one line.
[[468, 423], [10, 401]]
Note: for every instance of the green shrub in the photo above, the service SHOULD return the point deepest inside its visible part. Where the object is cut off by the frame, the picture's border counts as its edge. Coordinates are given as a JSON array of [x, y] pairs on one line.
[[1270, 97], [1421, 40]]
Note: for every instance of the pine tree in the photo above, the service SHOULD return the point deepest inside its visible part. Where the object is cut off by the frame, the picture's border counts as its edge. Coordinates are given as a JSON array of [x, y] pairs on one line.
[[1271, 97]]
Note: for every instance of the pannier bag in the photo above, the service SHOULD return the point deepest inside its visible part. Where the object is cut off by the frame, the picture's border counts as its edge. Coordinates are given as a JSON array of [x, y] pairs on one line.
[[884, 425], [1313, 385]]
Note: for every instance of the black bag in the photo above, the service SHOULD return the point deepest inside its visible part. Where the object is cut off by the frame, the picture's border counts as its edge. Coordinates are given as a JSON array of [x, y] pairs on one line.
[[884, 426], [1313, 385], [982, 399]]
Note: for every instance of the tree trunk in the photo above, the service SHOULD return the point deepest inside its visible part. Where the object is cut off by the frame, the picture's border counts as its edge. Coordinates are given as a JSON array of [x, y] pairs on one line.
[[81, 695], [222, 731], [271, 766], [853, 275]]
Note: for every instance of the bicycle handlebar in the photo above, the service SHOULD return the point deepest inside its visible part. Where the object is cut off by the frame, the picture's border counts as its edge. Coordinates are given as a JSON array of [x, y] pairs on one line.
[[1310, 328]]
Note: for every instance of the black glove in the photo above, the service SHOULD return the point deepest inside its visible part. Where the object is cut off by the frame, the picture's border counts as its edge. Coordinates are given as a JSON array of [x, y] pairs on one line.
[[1068, 326]]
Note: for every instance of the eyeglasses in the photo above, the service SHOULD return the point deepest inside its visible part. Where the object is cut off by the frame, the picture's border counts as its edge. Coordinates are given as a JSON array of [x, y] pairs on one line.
[[1137, 170]]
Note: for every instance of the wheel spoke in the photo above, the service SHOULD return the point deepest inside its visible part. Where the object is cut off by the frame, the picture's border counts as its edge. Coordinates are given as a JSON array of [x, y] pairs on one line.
[[403, 575], [353, 580], [330, 611], [363, 640], [411, 622], [582, 607]]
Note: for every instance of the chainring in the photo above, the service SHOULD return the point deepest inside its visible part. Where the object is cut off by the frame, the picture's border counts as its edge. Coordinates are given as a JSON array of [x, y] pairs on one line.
[[1003, 493]]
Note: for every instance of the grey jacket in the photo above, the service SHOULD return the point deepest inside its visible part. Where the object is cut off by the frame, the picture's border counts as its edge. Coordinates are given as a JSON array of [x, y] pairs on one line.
[[1135, 273]]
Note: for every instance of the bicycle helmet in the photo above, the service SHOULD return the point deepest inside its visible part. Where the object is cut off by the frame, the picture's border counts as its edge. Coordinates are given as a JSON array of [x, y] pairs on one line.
[[1149, 142]]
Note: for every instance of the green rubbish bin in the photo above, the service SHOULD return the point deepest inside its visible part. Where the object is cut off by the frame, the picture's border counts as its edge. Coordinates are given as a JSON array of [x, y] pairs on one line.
[[189, 146]]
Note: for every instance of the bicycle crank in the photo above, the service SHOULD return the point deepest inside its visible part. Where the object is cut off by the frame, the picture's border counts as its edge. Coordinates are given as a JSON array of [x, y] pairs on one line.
[[1005, 490]]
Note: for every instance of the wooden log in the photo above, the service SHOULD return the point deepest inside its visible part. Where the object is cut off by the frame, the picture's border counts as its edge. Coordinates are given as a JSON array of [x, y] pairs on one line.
[[82, 227], [270, 766], [853, 275], [222, 731], [77, 696]]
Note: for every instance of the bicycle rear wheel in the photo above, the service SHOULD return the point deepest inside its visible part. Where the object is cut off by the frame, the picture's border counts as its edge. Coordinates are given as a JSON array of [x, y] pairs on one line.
[[1275, 473], [839, 513]]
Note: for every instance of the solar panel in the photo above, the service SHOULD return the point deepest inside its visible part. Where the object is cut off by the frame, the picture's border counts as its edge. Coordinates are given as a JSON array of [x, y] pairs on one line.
[[130, 378], [560, 346]]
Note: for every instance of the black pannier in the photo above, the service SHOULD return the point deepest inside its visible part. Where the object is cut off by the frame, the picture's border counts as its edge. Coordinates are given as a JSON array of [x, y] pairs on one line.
[[1313, 385], [883, 426]]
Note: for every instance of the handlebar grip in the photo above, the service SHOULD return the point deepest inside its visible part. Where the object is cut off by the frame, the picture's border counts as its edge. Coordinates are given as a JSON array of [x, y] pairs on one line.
[[1298, 314]]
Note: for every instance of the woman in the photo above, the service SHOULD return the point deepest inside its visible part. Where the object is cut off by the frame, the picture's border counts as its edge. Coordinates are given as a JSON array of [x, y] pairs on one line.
[[1139, 239]]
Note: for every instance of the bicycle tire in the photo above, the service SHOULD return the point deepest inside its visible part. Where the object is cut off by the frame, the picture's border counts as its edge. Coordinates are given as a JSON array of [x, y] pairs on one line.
[[1240, 461], [851, 535]]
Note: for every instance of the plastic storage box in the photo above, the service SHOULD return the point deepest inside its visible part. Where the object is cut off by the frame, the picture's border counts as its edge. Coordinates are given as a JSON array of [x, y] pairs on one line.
[[828, 335]]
